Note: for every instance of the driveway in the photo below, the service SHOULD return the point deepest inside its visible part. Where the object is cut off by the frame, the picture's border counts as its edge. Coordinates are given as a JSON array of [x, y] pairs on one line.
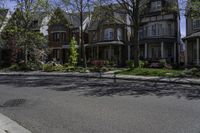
[[82, 105]]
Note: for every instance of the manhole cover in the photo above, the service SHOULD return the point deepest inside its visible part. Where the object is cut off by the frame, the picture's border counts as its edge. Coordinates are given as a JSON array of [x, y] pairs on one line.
[[14, 103]]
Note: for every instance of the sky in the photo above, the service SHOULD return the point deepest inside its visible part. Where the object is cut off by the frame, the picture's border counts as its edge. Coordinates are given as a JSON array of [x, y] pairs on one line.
[[11, 5]]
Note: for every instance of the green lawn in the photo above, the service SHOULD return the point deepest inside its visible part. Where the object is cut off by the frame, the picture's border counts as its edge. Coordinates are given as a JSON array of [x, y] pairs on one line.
[[152, 72]]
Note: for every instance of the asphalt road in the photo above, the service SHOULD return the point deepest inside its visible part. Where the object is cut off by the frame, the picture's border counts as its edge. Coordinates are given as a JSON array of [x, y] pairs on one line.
[[81, 105]]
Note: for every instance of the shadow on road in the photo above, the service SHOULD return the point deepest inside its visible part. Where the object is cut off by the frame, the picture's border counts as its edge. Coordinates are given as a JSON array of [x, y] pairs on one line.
[[102, 87]]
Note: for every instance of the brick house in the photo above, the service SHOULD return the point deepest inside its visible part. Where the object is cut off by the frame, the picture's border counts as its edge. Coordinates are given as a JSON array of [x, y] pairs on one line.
[[62, 27], [108, 38]]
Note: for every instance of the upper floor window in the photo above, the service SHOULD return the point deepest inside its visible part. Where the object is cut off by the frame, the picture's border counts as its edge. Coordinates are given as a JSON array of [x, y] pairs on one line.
[[196, 23], [119, 34], [94, 36], [153, 30], [58, 37], [156, 6], [108, 34]]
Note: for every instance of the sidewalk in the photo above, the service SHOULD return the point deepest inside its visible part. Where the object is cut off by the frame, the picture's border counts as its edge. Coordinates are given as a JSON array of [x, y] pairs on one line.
[[9, 126], [110, 75]]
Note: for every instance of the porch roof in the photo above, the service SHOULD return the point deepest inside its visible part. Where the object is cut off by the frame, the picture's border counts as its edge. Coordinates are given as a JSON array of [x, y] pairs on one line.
[[193, 35], [107, 43]]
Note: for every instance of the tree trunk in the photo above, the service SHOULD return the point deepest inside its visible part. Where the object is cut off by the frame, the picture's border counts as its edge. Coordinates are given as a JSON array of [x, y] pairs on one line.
[[83, 56], [136, 35], [136, 48], [26, 54]]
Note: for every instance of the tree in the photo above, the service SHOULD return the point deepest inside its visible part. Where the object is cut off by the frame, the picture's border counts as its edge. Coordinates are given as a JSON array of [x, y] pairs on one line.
[[192, 7], [23, 29], [73, 52], [79, 7]]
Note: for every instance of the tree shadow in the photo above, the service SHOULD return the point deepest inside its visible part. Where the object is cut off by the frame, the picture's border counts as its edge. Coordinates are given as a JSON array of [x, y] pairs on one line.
[[106, 87]]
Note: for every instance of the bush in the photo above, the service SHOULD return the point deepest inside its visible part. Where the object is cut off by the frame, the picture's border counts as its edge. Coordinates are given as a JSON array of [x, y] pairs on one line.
[[194, 72], [51, 67], [14, 67], [22, 66], [130, 63], [142, 64]]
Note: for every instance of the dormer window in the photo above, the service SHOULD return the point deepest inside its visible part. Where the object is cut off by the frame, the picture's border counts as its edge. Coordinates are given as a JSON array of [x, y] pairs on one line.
[[196, 24], [108, 34], [156, 6]]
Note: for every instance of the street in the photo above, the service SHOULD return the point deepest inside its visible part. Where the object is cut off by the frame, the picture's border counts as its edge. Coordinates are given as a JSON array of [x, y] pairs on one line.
[[82, 105]]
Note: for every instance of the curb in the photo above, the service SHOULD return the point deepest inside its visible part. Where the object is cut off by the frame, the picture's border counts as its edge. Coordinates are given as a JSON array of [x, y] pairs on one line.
[[185, 81], [9, 126]]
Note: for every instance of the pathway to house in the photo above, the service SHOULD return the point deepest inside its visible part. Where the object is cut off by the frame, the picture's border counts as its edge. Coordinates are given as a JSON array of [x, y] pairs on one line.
[[53, 104]]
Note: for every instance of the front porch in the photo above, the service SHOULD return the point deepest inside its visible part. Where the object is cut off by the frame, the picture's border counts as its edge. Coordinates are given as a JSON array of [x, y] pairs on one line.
[[156, 51], [109, 52], [192, 51], [60, 55]]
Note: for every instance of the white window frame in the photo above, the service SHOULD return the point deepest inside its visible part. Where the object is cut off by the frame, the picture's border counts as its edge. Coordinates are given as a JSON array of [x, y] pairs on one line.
[[196, 23], [109, 34], [119, 34], [156, 5]]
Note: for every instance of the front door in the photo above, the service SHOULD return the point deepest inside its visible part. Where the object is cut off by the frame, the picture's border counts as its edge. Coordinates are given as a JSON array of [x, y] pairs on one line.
[[156, 53]]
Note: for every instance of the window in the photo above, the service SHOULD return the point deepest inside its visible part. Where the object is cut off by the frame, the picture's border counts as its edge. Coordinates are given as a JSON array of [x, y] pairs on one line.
[[94, 35], [119, 34], [57, 37], [169, 29], [160, 29], [156, 6], [196, 23], [154, 30], [108, 34]]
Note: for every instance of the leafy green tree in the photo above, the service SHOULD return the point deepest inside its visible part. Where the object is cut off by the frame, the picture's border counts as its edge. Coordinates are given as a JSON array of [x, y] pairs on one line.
[[73, 52], [23, 29]]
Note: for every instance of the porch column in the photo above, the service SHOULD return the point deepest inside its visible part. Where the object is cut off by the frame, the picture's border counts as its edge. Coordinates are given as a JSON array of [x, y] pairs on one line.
[[110, 50], [97, 52], [197, 51], [179, 54], [186, 55], [145, 51], [120, 54], [129, 52], [175, 53], [162, 50]]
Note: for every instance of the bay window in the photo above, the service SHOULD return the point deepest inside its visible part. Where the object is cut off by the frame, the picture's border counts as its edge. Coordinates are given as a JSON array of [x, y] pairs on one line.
[[108, 34]]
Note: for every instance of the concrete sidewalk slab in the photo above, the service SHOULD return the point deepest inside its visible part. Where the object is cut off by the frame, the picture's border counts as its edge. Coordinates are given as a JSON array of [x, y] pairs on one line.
[[9, 126]]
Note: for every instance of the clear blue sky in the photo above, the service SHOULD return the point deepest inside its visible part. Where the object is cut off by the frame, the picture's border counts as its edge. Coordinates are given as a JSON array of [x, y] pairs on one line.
[[182, 25]]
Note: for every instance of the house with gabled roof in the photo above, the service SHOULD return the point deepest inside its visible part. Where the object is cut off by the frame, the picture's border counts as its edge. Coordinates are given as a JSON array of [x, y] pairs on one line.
[[62, 27], [108, 40]]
